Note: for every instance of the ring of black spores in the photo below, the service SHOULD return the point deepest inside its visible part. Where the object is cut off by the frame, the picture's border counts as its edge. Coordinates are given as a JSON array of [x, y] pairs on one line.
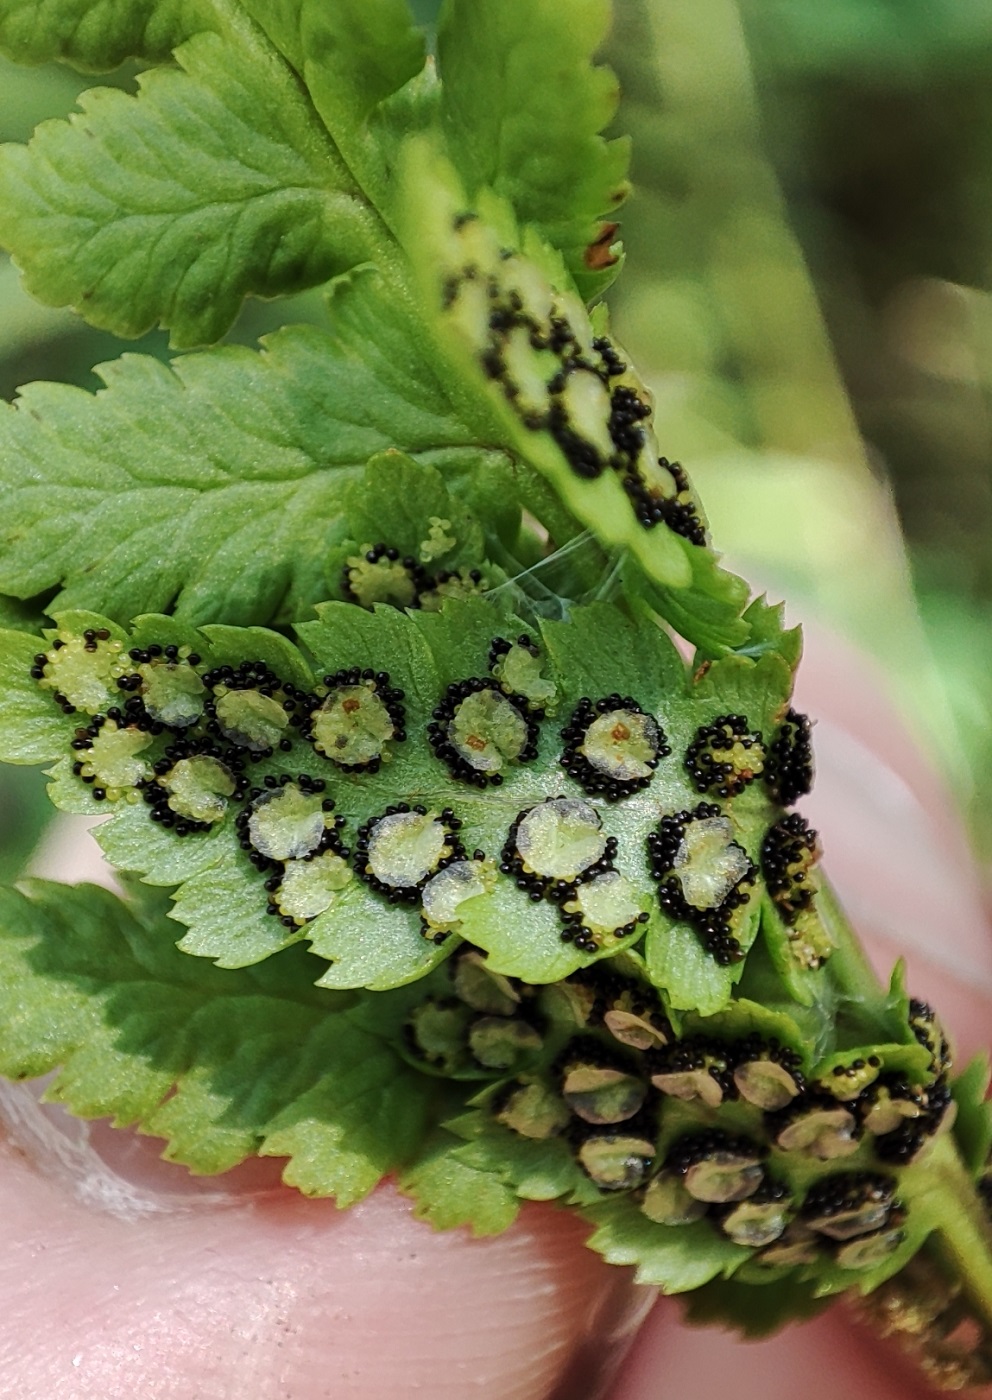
[[444, 712], [134, 707], [307, 784], [708, 770], [713, 925], [405, 894], [557, 892], [156, 795], [382, 688], [253, 675], [578, 766], [789, 766], [789, 841]]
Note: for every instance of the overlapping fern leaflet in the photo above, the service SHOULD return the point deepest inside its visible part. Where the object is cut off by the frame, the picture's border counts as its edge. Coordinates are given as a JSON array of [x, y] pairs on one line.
[[136, 212]]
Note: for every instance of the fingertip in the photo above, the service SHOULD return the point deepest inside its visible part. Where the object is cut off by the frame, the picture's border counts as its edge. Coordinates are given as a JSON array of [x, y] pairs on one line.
[[277, 1296], [818, 1360]]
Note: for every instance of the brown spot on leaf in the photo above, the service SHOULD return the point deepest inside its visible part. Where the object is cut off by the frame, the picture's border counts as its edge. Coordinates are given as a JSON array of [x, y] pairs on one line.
[[599, 255]]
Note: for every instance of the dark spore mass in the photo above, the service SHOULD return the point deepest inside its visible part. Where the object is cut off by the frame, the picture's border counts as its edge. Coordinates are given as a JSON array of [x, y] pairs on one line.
[[725, 756], [789, 770], [612, 746], [788, 854]]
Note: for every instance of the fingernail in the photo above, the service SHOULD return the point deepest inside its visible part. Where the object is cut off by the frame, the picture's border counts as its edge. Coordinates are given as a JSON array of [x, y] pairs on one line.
[[116, 1170], [614, 1321]]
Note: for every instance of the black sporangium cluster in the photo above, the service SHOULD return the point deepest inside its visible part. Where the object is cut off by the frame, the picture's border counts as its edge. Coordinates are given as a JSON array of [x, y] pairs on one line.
[[136, 711], [86, 737], [631, 1144], [418, 578], [445, 713], [789, 764], [406, 894], [903, 1145], [330, 841], [713, 924], [695, 1054], [559, 892], [680, 514], [500, 646], [576, 933], [802, 1206], [897, 1140], [578, 765], [91, 637], [844, 1192], [627, 412], [420, 583], [930, 1034], [607, 992], [381, 687], [684, 1068], [155, 792], [707, 765], [201, 734], [788, 854], [695, 1149], [585, 1054], [251, 676]]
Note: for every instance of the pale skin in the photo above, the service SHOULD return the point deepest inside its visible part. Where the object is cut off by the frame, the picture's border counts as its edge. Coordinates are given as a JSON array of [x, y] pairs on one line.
[[263, 1295]]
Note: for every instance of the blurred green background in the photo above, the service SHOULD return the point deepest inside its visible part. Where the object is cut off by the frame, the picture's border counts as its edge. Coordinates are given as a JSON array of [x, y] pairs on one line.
[[809, 292], [810, 261]]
